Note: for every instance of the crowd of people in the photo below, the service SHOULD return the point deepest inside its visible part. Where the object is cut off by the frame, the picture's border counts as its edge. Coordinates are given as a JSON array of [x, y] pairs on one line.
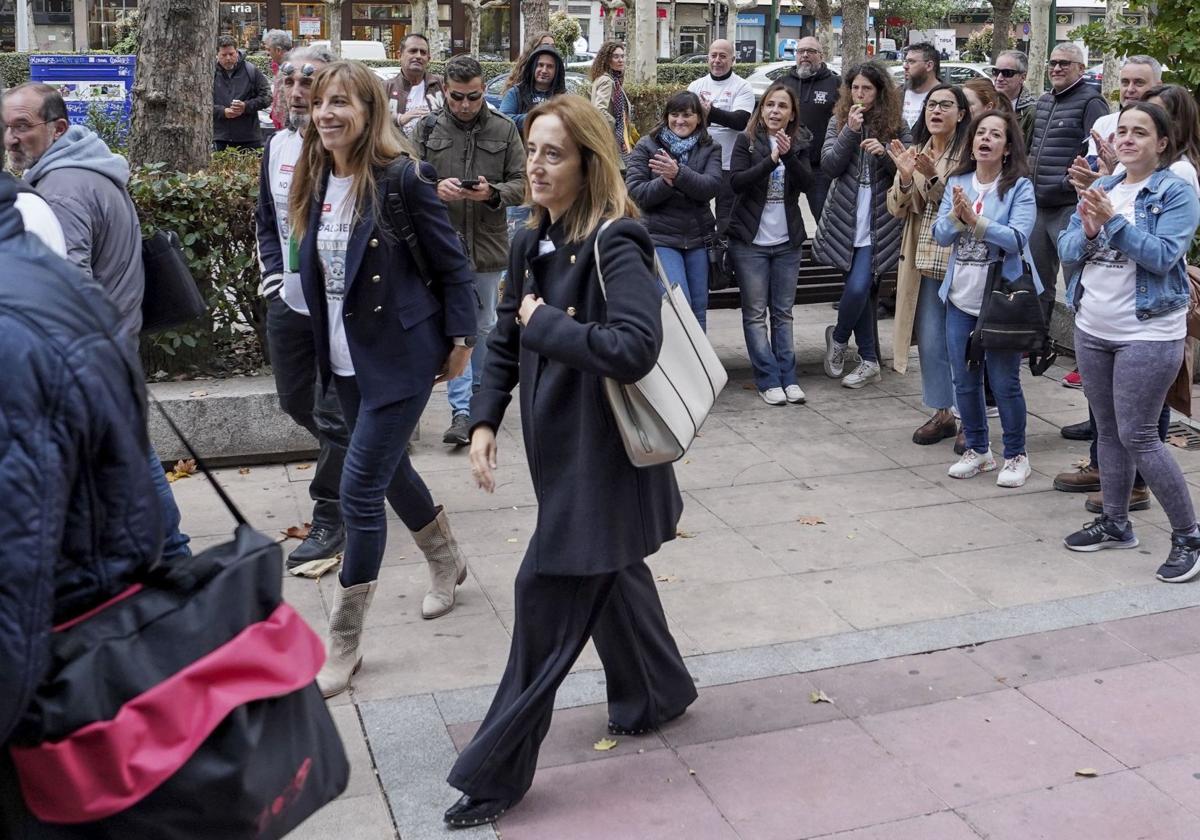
[[409, 234]]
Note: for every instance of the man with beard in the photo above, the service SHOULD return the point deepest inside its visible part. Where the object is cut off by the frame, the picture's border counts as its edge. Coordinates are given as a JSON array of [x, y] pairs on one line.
[[289, 330], [544, 77], [414, 93], [922, 69], [728, 101], [816, 89]]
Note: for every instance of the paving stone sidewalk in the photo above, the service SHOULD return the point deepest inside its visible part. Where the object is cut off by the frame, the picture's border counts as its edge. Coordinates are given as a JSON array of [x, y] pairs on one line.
[[901, 560]]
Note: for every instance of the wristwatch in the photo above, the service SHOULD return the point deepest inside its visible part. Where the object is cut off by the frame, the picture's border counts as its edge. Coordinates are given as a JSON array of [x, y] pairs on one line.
[[465, 341]]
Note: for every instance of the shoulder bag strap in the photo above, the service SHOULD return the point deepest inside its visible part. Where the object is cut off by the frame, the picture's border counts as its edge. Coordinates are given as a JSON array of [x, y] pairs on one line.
[[187, 444], [401, 221]]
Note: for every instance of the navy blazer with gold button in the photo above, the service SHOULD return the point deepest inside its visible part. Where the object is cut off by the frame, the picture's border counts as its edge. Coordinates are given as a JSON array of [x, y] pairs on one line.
[[398, 329]]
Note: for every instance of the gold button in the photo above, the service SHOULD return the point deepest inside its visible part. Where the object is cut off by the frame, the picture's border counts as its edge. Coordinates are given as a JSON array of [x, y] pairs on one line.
[[571, 311], [375, 278], [374, 243], [572, 259], [527, 273], [378, 308]]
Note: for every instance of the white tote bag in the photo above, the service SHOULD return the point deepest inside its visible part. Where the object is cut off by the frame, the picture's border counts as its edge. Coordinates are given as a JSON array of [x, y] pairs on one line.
[[659, 415]]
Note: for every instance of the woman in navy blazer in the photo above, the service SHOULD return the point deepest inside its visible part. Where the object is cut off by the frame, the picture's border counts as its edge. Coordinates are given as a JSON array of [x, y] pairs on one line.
[[383, 335], [987, 214]]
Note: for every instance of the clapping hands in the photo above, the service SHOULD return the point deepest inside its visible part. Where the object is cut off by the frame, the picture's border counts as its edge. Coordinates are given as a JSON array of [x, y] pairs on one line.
[[1095, 209], [961, 207]]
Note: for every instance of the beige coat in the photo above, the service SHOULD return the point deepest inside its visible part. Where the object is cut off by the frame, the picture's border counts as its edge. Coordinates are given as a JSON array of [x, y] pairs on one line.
[[910, 205]]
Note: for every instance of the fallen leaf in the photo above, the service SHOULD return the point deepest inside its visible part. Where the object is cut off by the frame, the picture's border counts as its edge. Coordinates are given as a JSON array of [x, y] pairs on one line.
[[819, 696], [1087, 773], [604, 745], [243, 471], [810, 520], [198, 394], [666, 578], [1178, 440], [182, 469], [298, 532], [747, 387], [684, 535], [304, 466]]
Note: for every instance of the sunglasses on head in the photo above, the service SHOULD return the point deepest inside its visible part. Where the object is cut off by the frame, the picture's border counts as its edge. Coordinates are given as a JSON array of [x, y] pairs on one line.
[[1061, 62], [473, 96], [1004, 72], [288, 69]]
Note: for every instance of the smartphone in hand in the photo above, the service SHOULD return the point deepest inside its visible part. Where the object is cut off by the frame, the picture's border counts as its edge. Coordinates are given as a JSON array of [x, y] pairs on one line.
[[469, 183]]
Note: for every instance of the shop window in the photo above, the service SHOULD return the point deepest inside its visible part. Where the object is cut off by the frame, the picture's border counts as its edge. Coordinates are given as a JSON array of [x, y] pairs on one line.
[[54, 26], [382, 11], [494, 39], [8, 26], [306, 21], [246, 22], [104, 21]]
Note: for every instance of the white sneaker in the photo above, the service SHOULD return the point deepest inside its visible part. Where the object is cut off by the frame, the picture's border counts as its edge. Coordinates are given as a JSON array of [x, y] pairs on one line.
[[773, 396], [992, 411], [972, 464], [835, 355], [794, 394], [863, 375], [1016, 470]]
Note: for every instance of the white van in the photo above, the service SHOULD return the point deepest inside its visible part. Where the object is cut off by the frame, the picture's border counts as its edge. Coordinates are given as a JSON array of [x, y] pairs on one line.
[[358, 49]]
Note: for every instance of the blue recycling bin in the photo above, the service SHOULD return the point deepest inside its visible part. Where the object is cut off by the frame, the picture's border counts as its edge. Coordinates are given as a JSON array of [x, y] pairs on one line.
[[89, 81]]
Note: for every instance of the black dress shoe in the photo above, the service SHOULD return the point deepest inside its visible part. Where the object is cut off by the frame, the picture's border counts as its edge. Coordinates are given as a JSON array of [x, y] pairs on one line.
[[1077, 431], [322, 542], [468, 812]]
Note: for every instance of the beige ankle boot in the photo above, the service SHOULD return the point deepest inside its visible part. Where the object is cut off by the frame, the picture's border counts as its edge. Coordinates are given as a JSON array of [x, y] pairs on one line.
[[447, 568], [343, 657]]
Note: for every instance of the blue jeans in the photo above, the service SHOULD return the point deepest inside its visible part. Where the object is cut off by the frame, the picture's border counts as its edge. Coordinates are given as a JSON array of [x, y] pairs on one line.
[[690, 270], [487, 294], [767, 276], [1004, 374], [377, 467], [855, 313], [175, 542], [937, 382]]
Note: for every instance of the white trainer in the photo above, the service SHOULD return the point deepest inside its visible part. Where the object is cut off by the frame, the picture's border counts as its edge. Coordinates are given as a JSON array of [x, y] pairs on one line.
[[972, 463], [773, 396], [1016, 471], [835, 355], [794, 394], [862, 376]]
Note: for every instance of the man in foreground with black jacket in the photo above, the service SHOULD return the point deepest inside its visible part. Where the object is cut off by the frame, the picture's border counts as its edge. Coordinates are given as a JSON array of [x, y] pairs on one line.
[[816, 89]]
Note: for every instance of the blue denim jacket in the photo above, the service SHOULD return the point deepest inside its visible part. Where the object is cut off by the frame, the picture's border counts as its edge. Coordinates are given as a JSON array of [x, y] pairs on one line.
[[1166, 213], [1005, 225]]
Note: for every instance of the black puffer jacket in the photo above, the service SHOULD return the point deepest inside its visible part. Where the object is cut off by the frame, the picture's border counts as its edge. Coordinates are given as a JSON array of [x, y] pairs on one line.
[[677, 216], [817, 95], [79, 518], [247, 83], [750, 171], [1061, 128], [841, 158]]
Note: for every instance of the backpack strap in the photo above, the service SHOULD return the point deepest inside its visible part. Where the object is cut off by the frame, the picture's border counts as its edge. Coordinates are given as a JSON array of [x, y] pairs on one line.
[[399, 219]]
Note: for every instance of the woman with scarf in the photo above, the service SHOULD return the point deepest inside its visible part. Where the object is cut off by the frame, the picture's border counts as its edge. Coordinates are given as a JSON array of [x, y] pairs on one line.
[[608, 94], [673, 174]]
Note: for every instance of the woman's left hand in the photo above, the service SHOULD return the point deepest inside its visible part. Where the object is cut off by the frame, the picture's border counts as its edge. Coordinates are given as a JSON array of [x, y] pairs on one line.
[[664, 166], [1097, 204], [528, 305], [873, 146], [926, 165], [962, 208]]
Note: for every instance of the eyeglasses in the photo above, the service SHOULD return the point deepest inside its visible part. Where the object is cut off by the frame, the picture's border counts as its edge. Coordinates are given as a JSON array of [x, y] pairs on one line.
[[807, 51], [940, 105], [287, 69], [459, 96], [1062, 63], [21, 129], [1005, 72]]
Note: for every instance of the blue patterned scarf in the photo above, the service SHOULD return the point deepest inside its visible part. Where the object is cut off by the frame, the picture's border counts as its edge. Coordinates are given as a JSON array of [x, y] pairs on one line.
[[679, 147]]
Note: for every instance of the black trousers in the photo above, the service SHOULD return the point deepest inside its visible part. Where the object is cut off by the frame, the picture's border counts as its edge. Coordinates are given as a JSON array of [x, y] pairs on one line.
[[647, 680], [294, 363]]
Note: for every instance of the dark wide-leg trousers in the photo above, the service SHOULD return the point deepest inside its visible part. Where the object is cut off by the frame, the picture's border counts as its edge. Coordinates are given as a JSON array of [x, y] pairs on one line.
[[555, 615]]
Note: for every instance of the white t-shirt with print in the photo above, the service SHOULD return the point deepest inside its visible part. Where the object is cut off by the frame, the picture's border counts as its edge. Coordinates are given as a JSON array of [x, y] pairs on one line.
[[914, 103], [282, 158], [772, 224], [732, 94], [971, 260], [862, 217], [333, 234], [1107, 308]]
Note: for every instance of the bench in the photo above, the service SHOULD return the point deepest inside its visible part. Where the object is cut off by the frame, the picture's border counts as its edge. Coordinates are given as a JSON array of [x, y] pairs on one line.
[[816, 283]]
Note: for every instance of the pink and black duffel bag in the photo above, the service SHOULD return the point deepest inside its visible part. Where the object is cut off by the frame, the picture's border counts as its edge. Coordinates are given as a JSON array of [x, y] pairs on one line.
[[185, 707]]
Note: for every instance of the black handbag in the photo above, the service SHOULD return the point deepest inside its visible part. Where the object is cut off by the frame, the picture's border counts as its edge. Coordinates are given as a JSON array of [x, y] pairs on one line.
[[721, 273], [1011, 318], [183, 707], [172, 297]]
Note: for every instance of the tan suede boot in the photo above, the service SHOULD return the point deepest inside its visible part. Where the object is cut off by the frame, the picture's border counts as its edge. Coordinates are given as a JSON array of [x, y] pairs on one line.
[[343, 656], [447, 568]]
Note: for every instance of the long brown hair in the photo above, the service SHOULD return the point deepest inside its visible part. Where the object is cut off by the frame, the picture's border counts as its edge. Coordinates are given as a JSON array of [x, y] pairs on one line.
[[519, 68], [603, 195], [992, 99], [1185, 120], [883, 118], [1014, 166], [379, 144], [756, 119], [601, 64]]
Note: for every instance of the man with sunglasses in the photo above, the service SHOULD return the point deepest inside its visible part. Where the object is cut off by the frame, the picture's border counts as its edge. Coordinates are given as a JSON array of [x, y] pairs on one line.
[[1008, 76], [480, 163], [289, 329], [1062, 126], [816, 88]]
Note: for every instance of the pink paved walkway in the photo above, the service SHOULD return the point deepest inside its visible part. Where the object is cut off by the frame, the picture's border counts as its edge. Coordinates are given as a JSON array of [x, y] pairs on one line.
[[982, 742]]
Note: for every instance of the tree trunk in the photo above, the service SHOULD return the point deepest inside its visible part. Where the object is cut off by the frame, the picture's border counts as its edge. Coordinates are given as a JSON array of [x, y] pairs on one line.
[[172, 119], [824, 29], [474, 14], [1002, 11], [672, 29], [644, 39], [438, 40], [610, 13], [631, 37], [536, 15], [335, 26], [1112, 64], [30, 26], [1039, 31], [854, 33]]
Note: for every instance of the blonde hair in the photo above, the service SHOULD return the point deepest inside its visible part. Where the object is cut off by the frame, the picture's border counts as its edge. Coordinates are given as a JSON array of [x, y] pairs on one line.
[[379, 144], [603, 194]]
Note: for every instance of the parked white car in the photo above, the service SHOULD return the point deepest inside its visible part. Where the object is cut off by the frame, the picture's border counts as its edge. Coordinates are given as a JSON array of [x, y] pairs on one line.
[[953, 72]]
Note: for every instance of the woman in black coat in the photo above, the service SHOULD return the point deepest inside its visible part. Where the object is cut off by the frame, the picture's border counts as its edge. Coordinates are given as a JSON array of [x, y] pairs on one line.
[[769, 169], [674, 172], [382, 335], [599, 517]]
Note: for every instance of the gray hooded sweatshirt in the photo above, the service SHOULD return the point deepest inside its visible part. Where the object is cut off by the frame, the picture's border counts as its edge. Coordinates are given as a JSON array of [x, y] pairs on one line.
[[85, 184]]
